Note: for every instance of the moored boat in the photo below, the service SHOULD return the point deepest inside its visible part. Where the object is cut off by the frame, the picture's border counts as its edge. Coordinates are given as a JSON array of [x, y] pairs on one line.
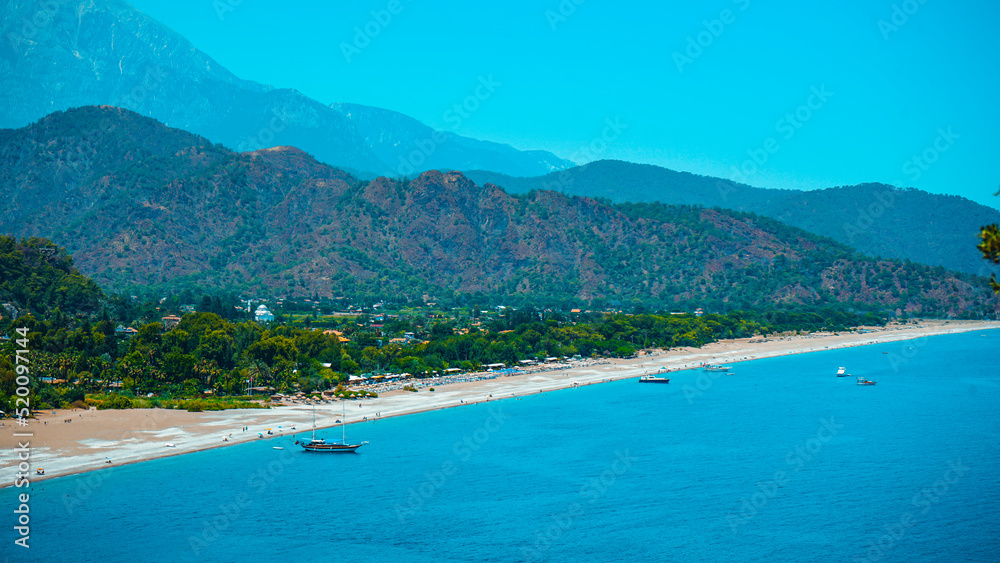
[[321, 445], [710, 367], [863, 381], [842, 372], [653, 379]]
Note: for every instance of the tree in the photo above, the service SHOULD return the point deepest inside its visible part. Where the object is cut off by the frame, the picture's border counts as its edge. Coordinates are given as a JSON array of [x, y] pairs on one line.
[[990, 247], [149, 336], [216, 346], [177, 365], [271, 349]]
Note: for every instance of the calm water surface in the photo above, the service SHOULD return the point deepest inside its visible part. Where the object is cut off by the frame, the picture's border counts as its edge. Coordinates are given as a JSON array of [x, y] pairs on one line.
[[780, 461]]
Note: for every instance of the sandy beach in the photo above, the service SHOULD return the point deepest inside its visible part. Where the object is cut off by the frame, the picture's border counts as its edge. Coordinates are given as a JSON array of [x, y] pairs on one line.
[[65, 442]]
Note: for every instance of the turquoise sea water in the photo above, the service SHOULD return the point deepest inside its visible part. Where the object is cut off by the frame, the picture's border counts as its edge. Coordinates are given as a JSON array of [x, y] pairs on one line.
[[781, 461]]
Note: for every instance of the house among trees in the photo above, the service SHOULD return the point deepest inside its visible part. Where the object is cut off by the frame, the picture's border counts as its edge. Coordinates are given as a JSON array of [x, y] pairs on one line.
[[170, 321], [263, 314], [9, 309], [336, 333], [125, 332]]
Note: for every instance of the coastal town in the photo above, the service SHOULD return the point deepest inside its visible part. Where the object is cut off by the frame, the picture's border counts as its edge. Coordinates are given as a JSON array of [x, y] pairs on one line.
[[74, 441]]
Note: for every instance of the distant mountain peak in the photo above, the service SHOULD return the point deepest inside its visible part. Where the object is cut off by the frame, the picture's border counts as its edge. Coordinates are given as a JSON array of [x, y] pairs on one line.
[[104, 52], [412, 147]]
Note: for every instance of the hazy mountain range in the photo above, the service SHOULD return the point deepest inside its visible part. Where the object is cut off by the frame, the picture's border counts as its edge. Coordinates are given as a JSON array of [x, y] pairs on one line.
[[877, 219], [141, 205], [70, 53], [73, 53]]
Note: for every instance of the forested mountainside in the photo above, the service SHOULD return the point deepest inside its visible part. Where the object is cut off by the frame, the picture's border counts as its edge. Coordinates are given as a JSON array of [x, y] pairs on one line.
[[876, 219], [143, 206]]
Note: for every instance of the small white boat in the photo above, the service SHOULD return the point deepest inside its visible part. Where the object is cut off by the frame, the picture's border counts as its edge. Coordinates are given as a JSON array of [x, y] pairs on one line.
[[710, 367], [277, 448], [169, 446], [653, 379], [842, 372]]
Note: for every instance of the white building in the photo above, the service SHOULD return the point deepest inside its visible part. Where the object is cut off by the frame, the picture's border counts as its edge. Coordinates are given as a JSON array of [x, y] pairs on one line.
[[263, 314]]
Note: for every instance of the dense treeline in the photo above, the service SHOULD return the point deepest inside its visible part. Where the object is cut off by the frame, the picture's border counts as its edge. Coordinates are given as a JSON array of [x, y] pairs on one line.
[[81, 342], [205, 352], [35, 274]]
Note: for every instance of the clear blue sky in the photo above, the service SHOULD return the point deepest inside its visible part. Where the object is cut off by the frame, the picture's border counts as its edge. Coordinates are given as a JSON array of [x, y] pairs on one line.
[[925, 88]]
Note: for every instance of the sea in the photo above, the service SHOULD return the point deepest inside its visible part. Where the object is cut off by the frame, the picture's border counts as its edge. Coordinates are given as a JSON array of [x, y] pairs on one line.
[[779, 460]]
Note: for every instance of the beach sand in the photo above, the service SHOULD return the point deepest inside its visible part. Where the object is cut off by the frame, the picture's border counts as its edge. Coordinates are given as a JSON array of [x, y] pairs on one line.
[[65, 442]]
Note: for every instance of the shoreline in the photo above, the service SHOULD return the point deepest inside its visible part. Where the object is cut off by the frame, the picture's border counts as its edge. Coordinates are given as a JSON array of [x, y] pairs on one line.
[[72, 442]]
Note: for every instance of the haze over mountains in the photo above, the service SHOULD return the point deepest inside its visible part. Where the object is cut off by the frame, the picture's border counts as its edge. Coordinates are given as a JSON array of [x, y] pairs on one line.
[[877, 219], [141, 205], [255, 228], [104, 52]]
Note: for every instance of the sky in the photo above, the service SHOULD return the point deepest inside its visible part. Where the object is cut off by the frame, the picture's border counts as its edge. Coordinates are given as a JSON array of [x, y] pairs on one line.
[[779, 94]]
